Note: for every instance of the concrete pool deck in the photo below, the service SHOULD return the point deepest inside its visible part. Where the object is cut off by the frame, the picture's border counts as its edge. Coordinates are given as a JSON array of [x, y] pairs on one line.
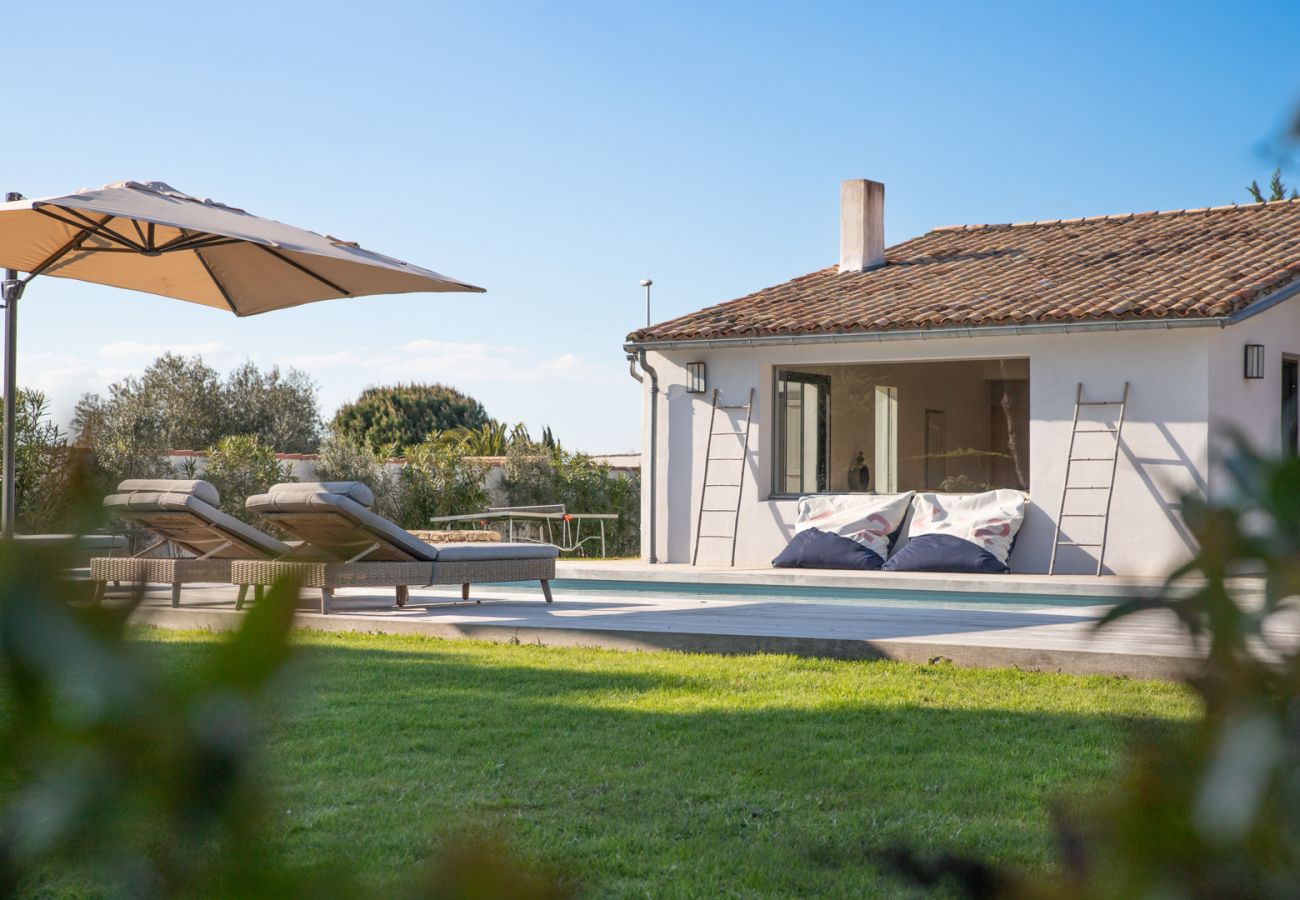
[[1026, 622]]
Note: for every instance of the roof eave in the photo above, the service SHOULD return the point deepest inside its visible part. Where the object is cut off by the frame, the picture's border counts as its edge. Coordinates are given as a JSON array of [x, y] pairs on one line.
[[1263, 304], [915, 334]]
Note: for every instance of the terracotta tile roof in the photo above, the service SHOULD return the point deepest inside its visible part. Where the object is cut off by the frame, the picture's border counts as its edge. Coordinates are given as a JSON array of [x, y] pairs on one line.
[[1194, 263]]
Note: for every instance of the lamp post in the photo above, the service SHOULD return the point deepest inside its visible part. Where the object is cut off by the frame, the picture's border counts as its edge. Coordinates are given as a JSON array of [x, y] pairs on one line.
[[645, 283]]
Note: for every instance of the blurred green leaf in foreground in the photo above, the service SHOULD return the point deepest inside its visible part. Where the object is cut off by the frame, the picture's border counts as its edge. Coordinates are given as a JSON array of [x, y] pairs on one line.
[[124, 779], [1217, 814]]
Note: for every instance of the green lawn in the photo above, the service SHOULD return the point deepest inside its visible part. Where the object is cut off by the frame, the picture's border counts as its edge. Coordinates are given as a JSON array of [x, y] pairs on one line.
[[664, 774]]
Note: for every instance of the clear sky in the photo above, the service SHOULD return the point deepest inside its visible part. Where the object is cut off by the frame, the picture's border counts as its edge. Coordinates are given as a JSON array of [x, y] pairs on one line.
[[556, 153]]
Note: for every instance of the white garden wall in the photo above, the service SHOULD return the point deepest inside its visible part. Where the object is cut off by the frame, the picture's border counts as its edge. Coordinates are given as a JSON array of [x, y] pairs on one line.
[[1164, 452]]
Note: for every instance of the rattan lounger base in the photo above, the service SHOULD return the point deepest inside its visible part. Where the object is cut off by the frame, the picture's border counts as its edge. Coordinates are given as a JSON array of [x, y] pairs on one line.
[[329, 576], [159, 570]]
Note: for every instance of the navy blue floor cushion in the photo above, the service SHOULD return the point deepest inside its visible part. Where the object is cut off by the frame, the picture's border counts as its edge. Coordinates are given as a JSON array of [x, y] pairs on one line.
[[943, 553], [817, 549]]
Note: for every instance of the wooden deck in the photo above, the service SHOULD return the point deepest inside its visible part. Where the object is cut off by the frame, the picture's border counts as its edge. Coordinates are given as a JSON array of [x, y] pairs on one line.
[[1001, 629]]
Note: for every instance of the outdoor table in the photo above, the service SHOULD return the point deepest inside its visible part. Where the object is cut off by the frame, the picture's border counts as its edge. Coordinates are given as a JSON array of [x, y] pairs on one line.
[[571, 536]]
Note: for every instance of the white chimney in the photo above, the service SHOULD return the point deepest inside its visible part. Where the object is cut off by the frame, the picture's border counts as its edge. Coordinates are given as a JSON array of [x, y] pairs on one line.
[[862, 225]]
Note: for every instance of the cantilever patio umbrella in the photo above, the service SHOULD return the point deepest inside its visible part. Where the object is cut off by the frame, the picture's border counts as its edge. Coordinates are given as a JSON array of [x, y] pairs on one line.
[[150, 237]]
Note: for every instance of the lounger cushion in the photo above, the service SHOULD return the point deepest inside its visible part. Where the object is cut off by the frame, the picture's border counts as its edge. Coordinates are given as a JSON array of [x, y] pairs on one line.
[[960, 533], [485, 551], [204, 490], [191, 523], [813, 548], [338, 525], [354, 490]]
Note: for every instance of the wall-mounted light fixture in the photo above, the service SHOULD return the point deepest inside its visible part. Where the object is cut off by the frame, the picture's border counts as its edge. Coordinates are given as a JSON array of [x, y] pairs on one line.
[[1254, 360], [695, 378]]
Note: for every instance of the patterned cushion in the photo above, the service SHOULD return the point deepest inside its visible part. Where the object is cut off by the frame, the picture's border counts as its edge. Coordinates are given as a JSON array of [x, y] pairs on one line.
[[872, 520], [960, 533]]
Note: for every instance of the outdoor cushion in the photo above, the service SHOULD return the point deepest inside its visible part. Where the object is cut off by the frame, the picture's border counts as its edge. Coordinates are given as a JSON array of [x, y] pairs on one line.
[[335, 523], [486, 551], [189, 522], [813, 548], [960, 533], [204, 490], [355, 490], [872, 520]]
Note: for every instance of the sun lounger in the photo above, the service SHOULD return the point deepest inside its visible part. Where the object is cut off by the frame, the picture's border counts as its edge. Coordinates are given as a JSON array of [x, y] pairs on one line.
[[367, 550], [184, 515]]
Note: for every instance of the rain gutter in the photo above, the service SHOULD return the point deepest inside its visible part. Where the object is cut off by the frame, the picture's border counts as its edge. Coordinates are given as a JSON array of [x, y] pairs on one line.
[[633, 359]]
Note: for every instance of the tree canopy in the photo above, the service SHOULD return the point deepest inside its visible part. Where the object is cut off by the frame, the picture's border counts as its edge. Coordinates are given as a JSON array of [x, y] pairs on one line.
[[1276, 190], [405, 415], [183, 403]]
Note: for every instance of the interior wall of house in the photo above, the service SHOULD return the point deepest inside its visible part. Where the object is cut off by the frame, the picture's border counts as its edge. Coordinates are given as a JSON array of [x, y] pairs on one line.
[[1163, 456], [943, 408]]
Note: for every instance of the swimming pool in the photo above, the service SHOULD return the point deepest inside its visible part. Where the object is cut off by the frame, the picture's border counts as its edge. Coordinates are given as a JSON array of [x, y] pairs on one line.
[[593, 589]]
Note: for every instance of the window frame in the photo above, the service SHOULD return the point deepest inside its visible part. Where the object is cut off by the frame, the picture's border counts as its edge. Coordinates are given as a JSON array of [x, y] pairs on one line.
[[824, 461]]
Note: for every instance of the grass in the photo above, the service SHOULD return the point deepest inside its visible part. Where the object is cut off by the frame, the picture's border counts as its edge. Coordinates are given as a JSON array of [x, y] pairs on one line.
[[665, 774]]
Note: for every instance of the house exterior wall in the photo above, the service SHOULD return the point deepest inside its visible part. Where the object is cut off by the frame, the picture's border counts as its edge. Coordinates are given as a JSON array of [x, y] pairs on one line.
[[1251, 408], [1164, 452]]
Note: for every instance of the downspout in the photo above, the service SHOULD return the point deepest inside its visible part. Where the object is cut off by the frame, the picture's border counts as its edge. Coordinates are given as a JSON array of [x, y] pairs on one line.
[[632, 360]]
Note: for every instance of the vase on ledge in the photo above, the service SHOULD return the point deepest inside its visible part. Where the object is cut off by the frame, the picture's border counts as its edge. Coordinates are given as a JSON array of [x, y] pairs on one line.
[[859, 479]]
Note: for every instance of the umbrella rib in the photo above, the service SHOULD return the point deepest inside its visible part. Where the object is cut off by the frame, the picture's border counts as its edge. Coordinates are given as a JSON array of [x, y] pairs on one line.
[[306, 271], [196, 241], [216, 281], [90, 226], [184, 236], [74, 244]]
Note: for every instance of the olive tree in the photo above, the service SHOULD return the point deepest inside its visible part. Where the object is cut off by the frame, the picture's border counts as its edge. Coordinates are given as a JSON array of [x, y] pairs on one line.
[[182, 403]]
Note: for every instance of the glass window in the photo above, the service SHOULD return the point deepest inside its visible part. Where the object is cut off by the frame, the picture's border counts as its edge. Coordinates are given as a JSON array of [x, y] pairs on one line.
[[957, 427], [1290, 420], [804, 401]]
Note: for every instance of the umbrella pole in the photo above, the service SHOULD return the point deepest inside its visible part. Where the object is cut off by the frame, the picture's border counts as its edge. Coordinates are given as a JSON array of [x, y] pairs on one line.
[[13, 289]]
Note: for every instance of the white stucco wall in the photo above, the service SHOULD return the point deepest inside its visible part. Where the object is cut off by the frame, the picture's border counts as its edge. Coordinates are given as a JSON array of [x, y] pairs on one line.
[[1251, 408], [1164, 452]]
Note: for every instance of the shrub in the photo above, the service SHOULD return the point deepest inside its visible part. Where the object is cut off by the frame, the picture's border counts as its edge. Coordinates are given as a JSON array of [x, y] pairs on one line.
[[406, 415], [534, 476], [344, 457], [42, 466], [240, 466], [440, 480]]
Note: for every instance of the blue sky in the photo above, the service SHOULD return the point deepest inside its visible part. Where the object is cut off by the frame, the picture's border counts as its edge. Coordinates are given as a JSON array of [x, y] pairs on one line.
[[557, 153]]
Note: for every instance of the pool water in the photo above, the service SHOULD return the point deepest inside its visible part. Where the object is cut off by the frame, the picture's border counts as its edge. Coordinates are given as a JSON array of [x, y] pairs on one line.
[[591, 589]]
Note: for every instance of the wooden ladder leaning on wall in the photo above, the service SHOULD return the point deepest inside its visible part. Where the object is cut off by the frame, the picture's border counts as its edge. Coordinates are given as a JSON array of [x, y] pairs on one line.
[[735, 480], [1109, 487]]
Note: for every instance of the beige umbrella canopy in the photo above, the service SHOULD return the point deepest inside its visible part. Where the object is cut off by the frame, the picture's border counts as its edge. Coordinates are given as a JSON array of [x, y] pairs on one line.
[[150, 237]]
